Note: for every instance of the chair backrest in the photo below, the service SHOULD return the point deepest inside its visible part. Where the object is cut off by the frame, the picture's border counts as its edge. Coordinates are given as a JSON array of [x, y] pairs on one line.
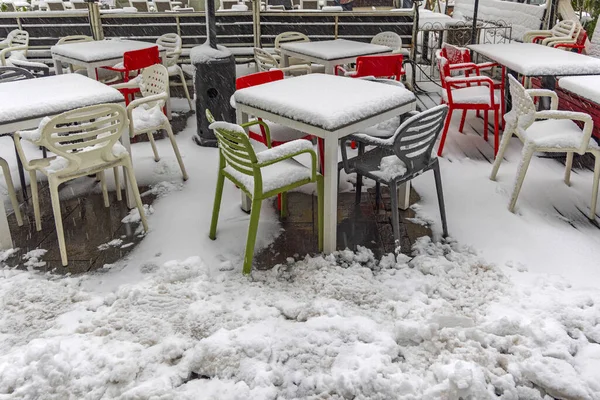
[[309, 4], [290, 37], [264, 60], [155, 80], [74, 39], [163, 5], [10, 74], [234, 148], [455, 54], [173, 43], [18, 37], [379, 66], [140, 59], [581, 39], [522, 113], [55, 5], [388, 39], [79, 4], [414, 139], [85, 136], [140, 5], [258, 79], [565, 27]]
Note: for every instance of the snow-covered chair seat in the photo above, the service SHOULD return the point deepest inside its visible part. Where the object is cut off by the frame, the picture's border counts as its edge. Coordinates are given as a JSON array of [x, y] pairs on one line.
[[146, 113], [85, 142], [549, 131], [401, 157], [261, 175], [472, 95], [19, 60]]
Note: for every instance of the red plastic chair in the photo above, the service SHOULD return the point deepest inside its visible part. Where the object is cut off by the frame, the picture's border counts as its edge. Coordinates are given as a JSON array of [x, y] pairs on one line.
[[133, 62], [579, 44], [467, 93], [385, 66]]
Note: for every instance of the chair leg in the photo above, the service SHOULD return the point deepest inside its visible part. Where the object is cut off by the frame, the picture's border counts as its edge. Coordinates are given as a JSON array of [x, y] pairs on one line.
[[321, 148], [216, 206], [35, 200], [117, 183], [283, 208], [21, 175], [102, 177], [358, 188], [503, 146], [11, 191], [58, 220], [595, 186], [320, 208], [377, 195], [445, 132], [568, 166], [440, 195], [153, 144], [185, 88], [252, 229], [528, 151], [395, 214], [136, 195], [485, 125], [462, 121], [496, 132], [176, 150]]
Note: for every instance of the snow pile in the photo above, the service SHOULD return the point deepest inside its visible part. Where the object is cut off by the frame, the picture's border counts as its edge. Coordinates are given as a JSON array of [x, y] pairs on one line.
[[205, 54], [146, 117], [390, 167]]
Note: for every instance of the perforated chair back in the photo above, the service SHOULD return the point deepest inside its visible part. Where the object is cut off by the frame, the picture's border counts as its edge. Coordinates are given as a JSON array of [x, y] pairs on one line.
[[388, 39], [11, 74], [522, 113], [155, 80]]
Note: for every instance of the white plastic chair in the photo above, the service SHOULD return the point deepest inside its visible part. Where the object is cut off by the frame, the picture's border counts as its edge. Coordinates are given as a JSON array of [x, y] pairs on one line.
[[85, 142], [265, 61], [552, 131], [16, 41], [146, 114], [173, 43], [564, 30], [391, 40]]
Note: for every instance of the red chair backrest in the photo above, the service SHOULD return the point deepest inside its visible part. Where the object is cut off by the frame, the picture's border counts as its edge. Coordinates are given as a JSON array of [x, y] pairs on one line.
[[140, 59], [455, 54], [580, 42], [379, 66], [258, 79]]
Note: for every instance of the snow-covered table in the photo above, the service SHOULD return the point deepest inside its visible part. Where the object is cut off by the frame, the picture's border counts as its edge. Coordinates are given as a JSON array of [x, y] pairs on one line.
[[100, 53], [24, 103], [330, 52], [531, 59], [586, 86], [329, 107]]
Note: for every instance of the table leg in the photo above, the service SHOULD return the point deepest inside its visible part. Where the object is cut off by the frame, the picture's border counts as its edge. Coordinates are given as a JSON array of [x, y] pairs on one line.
[[128, 189], [329, 68], [5, 238], [404, 196], [91, 72], [285, 61], [246, 203], [330, 193], [57, 67], [548, 82], [507, 97], [163, 58]]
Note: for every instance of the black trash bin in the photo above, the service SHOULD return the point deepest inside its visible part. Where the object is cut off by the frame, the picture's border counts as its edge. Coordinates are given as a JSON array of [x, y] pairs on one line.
[[214, 83]]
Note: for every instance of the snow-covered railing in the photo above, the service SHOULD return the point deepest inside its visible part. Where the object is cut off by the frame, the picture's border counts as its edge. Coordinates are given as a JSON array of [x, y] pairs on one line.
[[521, 17]]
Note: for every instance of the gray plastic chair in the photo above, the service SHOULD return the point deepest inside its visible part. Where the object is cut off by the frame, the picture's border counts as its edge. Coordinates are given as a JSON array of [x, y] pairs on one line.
[[408, 153]]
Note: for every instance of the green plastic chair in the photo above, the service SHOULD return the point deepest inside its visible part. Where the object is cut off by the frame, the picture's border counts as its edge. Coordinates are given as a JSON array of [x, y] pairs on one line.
[[261, 175]]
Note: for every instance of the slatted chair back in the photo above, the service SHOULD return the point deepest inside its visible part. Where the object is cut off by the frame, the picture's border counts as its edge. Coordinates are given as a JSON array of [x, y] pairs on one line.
[[235, 148], [415, 138], [388, 39], [18, 38], [264, 60], [10, 74], [564, 28], [522, 113], [290, 37], [140, 59], [74, 39], [380, 66], [85, 136], [173, 43]]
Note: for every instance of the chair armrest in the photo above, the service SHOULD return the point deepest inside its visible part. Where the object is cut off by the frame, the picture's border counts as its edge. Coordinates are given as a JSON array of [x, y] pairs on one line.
[[470, 79], [486, 65], [463, 66], [286, 151], [545, 93], [339, 70], [161, 97], [19, 148], [264, 126], [588, 123], [367, 139], [302, 67], [8, 50], [132, 84]]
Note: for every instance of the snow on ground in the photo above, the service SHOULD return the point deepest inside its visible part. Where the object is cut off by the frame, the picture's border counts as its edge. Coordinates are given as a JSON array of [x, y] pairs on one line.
[[176, 319]]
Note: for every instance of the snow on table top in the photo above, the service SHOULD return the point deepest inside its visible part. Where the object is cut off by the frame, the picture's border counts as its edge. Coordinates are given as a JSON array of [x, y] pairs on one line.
[[335, 49], [536, 60], [326, 101], [34, 98], [587, 86], [99, 50]]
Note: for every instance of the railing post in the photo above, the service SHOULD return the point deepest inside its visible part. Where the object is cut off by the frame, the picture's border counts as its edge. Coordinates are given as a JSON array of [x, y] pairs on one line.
[[336, 27], [95, 21], [256, 23]]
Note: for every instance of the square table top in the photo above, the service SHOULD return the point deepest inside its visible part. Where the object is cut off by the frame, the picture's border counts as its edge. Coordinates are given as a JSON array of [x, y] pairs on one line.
[[99, 50], [335, 49], [587, 86], [532, 59], [35, 98], [325, 101]]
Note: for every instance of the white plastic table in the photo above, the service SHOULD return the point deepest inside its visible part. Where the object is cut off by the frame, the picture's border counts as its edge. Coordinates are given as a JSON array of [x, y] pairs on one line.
[[329, 107], [330, 52], [586, 86], [24, 103], [100, 53]]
